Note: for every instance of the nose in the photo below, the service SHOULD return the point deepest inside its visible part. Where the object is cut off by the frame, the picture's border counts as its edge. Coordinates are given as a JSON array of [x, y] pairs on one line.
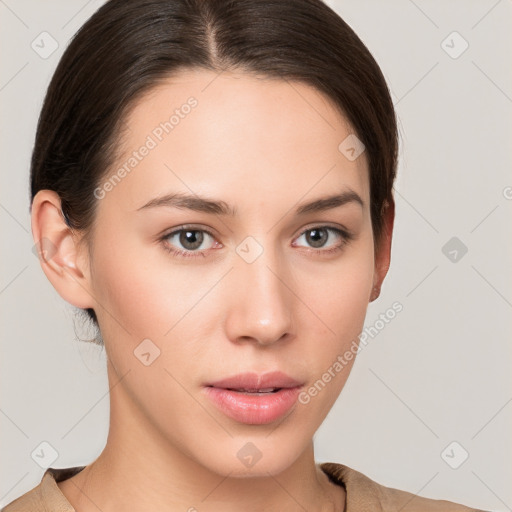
[[260, 300]]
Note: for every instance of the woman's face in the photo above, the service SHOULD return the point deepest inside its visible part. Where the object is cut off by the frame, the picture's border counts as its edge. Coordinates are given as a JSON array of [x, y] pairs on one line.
[[273, 287]]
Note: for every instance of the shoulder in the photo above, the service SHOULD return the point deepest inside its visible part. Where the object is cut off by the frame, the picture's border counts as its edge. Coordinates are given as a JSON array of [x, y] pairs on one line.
[[46, 496], [365, 494]]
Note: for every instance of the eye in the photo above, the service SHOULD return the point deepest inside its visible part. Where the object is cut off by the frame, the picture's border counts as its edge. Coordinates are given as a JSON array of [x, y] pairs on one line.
[[317, 237], [193, 241]]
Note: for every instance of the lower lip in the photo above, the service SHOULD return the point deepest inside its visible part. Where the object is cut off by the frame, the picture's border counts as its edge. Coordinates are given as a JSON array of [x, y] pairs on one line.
[[253, 409]]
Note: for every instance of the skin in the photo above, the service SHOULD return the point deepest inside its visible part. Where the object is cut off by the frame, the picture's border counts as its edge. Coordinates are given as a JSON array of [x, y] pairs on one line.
[[263, 147]]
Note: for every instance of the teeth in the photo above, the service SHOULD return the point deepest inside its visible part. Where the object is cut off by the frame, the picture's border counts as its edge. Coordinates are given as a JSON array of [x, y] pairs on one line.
[[266, 390]]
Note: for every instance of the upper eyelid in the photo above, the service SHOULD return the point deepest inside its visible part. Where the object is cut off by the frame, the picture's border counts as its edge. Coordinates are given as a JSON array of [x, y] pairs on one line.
[[189, 228], [185, 227]]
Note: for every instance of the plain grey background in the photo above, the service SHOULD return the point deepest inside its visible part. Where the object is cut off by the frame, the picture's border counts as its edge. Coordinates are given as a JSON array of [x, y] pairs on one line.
[[427, 407]]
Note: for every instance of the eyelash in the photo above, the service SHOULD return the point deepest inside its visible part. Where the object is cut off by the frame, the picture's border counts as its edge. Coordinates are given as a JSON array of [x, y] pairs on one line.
[[345, 236]]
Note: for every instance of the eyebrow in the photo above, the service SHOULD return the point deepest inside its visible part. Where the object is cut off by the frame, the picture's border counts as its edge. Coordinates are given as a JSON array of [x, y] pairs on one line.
[[216, 207]]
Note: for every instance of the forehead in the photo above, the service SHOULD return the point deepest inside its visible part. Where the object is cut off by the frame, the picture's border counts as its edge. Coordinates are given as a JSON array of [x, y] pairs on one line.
[[217, 132]]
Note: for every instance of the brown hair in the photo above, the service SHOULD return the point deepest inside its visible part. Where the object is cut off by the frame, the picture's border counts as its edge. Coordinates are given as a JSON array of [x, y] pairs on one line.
[[129, 46]]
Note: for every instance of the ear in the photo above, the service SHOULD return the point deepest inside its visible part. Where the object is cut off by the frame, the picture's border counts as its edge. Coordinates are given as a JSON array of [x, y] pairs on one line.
[[62, 260], [383, 249]]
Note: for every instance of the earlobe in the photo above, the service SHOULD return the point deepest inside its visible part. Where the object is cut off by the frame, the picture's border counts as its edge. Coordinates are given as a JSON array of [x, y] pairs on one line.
[[57, 247]]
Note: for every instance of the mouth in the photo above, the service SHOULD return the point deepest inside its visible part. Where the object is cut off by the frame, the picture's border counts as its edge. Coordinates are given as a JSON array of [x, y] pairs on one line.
[[254, 399]]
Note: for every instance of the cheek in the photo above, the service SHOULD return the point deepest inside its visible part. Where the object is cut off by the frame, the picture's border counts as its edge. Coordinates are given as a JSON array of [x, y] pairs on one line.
[[339, 293], [135, 285], [339, 300], [142, 299], [143, 296]]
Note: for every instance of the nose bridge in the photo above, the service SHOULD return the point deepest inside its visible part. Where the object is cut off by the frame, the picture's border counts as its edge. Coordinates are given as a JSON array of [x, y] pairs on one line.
[[262, 308], [260, 266]]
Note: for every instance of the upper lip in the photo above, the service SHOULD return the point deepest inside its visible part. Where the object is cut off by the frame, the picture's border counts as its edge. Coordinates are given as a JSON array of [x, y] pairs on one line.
[[253, 381]]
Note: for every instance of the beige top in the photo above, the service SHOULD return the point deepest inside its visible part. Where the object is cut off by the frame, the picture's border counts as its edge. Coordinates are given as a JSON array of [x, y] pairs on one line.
[[363, 494]]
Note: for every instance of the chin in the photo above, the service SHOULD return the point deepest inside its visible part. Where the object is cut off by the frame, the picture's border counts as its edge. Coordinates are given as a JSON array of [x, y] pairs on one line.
[[252, 457]]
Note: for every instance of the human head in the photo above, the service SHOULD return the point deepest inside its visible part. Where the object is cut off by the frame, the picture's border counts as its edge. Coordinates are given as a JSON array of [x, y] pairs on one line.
[[292, 93]]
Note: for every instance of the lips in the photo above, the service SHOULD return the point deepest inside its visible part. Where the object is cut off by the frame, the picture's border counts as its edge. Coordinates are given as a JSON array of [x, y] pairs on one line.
[[254, 399]]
